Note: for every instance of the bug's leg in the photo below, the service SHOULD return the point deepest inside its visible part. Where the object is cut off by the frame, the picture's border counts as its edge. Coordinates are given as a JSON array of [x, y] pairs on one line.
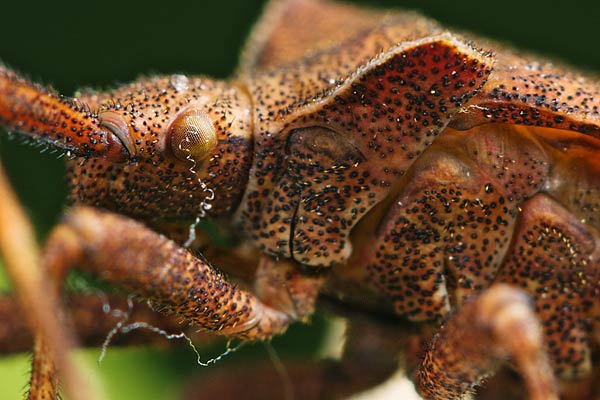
[[497, 325], [556, 259], [125, 253], [282, 285], [370, 351], [369, 355]]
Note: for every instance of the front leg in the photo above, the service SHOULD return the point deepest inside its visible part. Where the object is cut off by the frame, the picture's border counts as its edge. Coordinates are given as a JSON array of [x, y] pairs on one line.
[[126, 253]]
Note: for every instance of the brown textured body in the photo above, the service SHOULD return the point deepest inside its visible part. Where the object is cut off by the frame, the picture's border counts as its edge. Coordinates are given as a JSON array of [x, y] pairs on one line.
[[374, 158]]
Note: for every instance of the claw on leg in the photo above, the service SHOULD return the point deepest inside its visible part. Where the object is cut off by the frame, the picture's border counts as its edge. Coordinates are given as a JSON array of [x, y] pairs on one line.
[[498, 325]]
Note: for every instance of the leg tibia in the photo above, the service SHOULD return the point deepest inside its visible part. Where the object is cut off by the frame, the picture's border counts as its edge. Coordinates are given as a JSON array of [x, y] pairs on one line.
[[125, 253], [498, 325]]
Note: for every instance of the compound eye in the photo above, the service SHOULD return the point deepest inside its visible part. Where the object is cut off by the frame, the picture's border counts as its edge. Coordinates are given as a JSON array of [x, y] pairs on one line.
[[192, 136]]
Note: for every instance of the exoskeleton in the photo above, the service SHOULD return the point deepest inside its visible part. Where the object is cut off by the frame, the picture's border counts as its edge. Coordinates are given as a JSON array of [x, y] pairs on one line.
[[368, 158]]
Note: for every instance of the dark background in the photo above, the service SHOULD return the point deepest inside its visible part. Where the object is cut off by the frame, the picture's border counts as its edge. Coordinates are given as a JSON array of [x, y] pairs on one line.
[[71, 44]]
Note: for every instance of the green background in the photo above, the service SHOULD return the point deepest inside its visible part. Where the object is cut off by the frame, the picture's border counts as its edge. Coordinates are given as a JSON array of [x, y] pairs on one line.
[[71, 44]]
